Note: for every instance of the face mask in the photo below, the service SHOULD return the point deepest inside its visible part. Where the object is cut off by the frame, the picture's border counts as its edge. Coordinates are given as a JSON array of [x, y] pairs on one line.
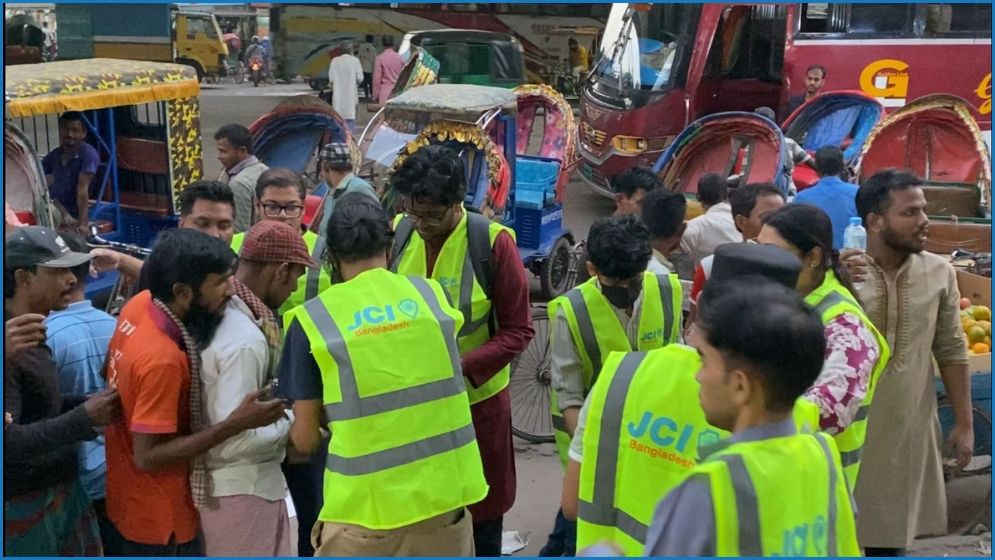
[[622, 297]]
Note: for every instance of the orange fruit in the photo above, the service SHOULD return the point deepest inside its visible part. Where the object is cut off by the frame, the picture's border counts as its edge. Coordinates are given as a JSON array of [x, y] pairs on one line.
[[982, 313], [976, 334], [969, 324], [980, 348]]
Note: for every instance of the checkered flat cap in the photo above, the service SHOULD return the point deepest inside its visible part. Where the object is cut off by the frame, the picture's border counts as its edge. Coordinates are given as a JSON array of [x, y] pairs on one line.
[[336, 152]]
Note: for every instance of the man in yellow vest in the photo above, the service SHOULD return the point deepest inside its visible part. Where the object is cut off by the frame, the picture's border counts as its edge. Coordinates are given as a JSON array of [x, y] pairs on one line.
[[478, 265], [640, 428], [280, 198], [377, 356], [621, 308], [767, 490]]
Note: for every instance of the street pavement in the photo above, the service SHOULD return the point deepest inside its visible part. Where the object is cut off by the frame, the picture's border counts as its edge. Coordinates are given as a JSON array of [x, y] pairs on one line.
[[538, 468]]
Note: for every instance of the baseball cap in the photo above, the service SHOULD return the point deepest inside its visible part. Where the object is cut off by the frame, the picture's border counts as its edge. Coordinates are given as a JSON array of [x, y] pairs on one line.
[[336, 152], [734, 261], [39, 246], [275, 242]]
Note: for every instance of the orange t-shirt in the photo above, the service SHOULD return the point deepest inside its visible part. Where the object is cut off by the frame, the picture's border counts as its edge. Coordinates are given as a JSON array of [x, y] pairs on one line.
[[152, 375]]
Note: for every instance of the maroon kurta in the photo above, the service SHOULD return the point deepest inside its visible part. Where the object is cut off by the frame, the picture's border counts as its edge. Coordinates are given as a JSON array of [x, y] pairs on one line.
[[492, 417]]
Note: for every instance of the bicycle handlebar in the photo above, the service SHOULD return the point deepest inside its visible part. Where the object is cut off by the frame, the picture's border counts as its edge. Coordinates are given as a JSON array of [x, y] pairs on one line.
[[95, 241]]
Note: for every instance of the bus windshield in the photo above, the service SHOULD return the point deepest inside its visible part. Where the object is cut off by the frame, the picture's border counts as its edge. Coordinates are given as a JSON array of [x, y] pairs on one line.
[[642, 47]]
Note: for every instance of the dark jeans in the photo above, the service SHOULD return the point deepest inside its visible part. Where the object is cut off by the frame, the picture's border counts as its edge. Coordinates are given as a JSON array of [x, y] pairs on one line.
[[111, 540], [487, 537], [871, 551], [563, 540], [368, 84], [192, 548], [306, 485]]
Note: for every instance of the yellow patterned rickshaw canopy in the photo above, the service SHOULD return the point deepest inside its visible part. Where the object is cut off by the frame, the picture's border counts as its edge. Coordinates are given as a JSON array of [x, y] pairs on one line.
[[96, 83]]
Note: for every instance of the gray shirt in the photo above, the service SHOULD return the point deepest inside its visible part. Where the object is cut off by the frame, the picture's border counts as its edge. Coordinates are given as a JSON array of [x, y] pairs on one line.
[[566, 365], [684, 521], [349, 184]]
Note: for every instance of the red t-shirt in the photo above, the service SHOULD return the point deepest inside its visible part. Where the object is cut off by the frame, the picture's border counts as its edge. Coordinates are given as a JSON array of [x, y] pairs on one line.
[[152, 375]]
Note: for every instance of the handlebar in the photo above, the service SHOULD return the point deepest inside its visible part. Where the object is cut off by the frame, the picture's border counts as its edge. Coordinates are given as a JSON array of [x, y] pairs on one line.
[[96, 241]]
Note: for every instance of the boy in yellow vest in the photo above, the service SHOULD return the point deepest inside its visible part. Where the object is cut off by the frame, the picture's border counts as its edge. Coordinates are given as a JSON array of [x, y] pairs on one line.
[[767, 490]]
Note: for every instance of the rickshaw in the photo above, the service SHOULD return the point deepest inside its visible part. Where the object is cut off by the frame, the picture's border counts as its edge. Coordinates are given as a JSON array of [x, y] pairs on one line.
[[292, 135], [744, 147], [469, 56], [838, 118], [143, 118]]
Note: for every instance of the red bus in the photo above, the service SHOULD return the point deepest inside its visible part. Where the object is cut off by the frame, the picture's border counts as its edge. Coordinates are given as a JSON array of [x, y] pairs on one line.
[[661, 66]]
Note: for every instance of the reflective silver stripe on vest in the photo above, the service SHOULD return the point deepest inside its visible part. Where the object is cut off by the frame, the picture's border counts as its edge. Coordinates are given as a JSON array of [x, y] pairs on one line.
[[402, 455], [748, 511], [850, 458], [314, 272], [601, 510], [352, 405], [831, 522], [831, 299], [667, 296], [586, 328]]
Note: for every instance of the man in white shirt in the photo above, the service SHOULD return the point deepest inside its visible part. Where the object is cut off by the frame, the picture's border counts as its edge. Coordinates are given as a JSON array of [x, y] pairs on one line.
[[715, 226], [345, 74], [249, 511], [367, 58]]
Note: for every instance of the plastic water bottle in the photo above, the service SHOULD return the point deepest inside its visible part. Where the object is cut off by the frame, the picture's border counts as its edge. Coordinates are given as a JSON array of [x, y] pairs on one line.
[[855, 237]]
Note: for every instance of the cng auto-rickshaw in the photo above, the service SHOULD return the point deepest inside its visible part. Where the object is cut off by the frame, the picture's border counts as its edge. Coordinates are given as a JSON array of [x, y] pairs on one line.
[[143, 119], [468, 56]]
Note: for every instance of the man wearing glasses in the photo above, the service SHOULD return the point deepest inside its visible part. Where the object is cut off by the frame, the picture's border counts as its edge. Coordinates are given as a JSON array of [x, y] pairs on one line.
[[478, 265], [280, 198]]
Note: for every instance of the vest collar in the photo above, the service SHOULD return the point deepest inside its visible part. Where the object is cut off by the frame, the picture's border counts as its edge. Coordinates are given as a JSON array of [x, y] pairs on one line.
[[771, 430]]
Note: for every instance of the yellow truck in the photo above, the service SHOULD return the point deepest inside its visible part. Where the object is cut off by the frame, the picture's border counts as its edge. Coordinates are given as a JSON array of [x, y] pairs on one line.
[[154, 32]]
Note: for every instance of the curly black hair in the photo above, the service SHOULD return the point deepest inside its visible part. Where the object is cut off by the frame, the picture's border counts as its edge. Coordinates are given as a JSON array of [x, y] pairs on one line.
[[635, 178], [433, 174], [619, 246]]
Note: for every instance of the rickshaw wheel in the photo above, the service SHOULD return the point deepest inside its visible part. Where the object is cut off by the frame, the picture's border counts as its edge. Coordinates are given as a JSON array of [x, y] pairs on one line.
[[531, 418], [553, 270]]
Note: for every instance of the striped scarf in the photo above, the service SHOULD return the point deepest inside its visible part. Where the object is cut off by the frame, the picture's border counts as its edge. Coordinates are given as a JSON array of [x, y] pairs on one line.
[[268, 323], [198, 469]]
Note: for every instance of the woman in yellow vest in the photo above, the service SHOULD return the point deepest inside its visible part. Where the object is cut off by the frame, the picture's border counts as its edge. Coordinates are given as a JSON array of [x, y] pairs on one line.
[[767, 490], [856, 353], [376, 355]]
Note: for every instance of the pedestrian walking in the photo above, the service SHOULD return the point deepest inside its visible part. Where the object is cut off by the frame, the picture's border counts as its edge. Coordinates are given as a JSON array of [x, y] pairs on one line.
[[367, 54], [345, 74], [386, 69]]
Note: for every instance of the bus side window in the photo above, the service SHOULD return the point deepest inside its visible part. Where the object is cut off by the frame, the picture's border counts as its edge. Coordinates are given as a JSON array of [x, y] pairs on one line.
[[815, 17], [880, 19], [942, 19]]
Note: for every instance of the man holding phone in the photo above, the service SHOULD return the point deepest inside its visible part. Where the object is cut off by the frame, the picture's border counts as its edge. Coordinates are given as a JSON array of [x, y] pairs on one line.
[[248, 511]]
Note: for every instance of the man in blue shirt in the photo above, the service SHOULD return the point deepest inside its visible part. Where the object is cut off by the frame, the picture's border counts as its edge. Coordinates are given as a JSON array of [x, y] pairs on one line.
[[70, 168], [78, 337], [834, 196]]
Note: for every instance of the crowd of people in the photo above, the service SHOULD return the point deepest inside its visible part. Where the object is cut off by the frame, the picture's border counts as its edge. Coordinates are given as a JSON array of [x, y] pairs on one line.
[[342, 389]]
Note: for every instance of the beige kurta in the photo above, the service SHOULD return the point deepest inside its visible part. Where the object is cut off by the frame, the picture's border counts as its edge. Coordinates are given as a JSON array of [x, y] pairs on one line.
[[900, 493]]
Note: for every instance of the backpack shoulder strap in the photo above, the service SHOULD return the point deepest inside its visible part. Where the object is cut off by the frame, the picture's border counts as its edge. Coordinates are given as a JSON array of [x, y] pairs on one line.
[[478, 232], [402, 234]]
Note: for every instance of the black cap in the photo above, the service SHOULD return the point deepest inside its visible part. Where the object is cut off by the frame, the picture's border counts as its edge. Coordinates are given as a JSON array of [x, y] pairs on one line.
[[39, 246], [736, 260]]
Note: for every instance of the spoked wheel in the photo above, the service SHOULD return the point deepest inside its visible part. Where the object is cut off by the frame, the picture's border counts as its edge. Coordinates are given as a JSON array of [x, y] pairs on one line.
[[553, 277], [530, 385], [969, 494]]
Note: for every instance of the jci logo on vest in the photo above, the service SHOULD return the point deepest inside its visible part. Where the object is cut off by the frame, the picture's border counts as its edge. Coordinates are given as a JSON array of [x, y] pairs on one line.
[[383, 319], [797, 541], [665, 432]]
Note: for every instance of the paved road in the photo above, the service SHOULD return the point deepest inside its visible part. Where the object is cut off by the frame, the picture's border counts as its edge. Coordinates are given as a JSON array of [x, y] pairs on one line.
[[539, 474]]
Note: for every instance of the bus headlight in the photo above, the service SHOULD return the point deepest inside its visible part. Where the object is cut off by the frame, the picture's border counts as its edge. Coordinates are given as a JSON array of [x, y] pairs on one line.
[[634, 145]]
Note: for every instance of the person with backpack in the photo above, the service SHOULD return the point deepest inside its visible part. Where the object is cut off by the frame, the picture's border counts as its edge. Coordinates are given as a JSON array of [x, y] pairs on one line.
[[478, 265]]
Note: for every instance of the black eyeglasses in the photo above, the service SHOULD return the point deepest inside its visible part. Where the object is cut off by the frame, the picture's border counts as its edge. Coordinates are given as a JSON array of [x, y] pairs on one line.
[[272, 210], [430, 221]]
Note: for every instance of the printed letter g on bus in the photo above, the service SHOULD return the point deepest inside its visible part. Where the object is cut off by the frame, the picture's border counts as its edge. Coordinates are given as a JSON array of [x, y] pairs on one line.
[[888, 80], [984, 92]]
